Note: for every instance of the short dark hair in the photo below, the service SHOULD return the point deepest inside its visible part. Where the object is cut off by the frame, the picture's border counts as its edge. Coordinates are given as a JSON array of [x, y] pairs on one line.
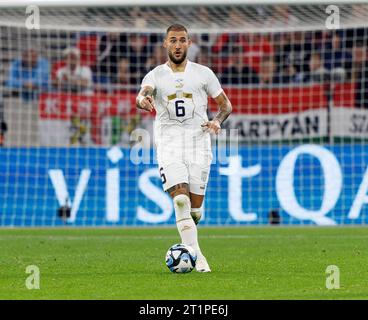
[[176, 27]]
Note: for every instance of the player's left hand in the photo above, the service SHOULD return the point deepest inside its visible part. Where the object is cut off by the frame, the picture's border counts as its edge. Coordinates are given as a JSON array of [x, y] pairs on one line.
[[212, 126]]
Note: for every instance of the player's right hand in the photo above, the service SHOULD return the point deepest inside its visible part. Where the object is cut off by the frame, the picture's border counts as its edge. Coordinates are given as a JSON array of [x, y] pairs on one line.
[[147, 104]]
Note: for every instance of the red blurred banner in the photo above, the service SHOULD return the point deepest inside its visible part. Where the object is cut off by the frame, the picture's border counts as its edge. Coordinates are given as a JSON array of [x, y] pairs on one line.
[[63, 106], [276, 100]]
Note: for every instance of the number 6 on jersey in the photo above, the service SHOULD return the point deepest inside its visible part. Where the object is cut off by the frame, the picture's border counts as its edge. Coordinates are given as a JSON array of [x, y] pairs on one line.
[[181, 109]]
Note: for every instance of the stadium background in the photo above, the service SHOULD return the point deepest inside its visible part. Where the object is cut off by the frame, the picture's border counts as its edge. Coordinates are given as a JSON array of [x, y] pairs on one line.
[[299, 92]]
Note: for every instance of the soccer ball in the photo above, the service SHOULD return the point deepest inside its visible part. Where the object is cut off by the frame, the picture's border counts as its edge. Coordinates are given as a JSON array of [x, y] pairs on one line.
[[181, 258]]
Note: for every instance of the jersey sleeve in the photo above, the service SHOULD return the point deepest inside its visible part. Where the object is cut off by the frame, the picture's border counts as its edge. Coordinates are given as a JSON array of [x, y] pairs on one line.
[[213, 84], [149, 80]]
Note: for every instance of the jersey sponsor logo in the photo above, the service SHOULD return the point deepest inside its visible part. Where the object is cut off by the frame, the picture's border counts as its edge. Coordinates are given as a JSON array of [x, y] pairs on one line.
[[179, 83]]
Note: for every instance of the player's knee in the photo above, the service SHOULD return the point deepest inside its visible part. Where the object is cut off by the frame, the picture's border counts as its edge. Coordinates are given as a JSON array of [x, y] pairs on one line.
[[181, 201], [182, 206]]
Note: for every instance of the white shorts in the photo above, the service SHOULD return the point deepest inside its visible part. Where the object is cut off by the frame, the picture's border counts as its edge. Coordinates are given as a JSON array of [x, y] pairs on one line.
[[196, 175], [184, 159]]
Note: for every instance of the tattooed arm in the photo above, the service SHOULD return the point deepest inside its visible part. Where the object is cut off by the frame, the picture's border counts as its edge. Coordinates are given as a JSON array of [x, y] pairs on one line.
[[225, 107], [145, 99]]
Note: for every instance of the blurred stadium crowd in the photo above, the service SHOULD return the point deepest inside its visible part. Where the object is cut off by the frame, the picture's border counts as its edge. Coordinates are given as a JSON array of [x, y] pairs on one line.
[[111, 62], [119, 61]]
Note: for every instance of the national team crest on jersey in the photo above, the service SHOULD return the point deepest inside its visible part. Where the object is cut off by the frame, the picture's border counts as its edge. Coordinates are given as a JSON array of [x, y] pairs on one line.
[[180, 106]]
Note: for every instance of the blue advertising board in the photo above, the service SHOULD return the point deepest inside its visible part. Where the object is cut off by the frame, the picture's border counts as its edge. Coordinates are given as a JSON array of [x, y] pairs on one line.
[[306, 184]]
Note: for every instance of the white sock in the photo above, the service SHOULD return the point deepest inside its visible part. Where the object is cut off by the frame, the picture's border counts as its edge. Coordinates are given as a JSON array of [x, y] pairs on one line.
[[196, 214], [185, 224]]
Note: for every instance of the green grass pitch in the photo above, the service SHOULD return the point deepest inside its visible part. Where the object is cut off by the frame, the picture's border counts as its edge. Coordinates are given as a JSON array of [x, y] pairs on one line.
[[247, 263]]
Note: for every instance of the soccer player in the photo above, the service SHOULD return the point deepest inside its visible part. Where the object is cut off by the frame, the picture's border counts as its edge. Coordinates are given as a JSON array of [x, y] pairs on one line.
[[178, 91]]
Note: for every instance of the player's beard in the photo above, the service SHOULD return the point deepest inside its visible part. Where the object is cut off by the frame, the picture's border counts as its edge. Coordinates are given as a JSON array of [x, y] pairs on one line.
[[177, 60]]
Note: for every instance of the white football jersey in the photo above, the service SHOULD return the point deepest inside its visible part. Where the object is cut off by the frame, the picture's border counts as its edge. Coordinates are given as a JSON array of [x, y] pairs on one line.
[[181, 100]]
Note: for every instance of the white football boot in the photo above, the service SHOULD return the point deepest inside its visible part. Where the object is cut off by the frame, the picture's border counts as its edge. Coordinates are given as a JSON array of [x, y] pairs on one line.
[[202, 265]]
